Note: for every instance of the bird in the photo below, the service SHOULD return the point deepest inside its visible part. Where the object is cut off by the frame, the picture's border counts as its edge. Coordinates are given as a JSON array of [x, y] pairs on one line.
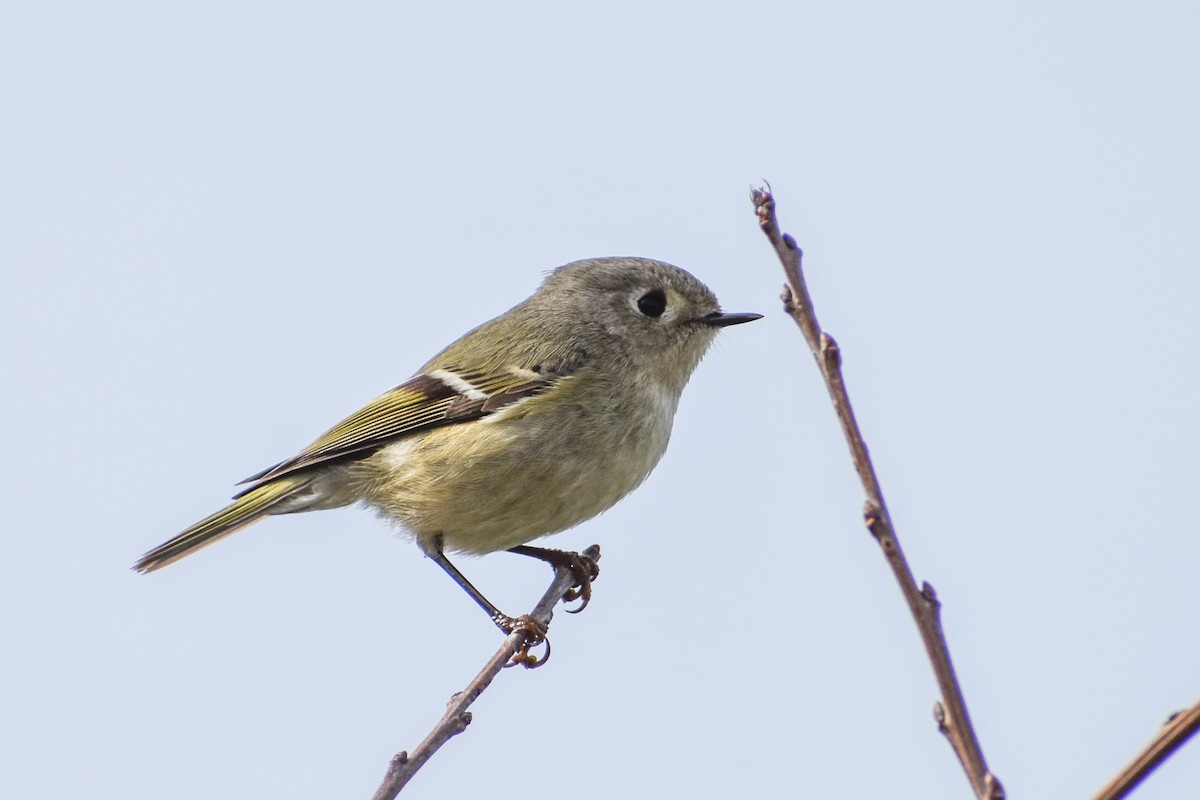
[[526, 426]]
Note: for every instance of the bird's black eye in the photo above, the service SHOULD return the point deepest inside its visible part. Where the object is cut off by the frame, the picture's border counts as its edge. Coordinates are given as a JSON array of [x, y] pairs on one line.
[[653, 303]]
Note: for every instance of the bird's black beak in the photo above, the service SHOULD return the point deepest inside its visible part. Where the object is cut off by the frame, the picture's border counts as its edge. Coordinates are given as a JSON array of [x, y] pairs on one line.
[[719, 319]]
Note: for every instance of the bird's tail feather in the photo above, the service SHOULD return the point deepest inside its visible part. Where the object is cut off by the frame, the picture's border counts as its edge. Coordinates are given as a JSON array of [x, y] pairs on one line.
[[247, 508]]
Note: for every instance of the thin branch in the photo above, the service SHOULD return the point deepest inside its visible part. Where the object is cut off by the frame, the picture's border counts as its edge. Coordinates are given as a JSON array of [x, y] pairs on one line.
[[951, 714], [1179, 729], [456, 719]]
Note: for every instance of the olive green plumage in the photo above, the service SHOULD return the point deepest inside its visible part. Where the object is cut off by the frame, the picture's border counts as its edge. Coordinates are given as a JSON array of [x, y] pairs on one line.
[[529, 424]]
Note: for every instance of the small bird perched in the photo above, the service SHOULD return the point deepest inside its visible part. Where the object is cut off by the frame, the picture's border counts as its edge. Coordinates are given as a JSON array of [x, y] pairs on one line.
[[528, 425]]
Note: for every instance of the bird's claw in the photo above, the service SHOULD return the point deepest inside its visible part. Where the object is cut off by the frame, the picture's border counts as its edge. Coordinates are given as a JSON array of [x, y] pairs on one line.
[[585, 570], [535, 635]]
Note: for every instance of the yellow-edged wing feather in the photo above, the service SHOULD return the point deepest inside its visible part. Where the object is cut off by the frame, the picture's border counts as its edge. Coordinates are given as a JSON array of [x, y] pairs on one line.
[[430, 400], [248, 507], [419, 404]]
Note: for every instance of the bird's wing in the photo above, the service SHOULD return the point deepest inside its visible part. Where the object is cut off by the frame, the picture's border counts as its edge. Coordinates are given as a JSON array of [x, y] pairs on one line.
[[430, 400]]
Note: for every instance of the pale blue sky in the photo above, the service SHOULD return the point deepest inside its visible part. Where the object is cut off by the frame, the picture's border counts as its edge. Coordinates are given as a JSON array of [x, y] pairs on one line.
[[226, 225]]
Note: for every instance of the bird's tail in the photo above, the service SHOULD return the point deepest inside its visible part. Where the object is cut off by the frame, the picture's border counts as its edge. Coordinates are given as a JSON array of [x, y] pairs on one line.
[[247, 508]]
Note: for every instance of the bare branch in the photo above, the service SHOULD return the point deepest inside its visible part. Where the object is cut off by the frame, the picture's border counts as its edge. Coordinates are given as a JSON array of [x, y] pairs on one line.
[[456, 719], [1179, 728], [951, 713]]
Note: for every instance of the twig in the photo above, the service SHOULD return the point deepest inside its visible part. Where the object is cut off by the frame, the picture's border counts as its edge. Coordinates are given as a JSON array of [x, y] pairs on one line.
[[951, 714], [456, 719], [1179, 729]]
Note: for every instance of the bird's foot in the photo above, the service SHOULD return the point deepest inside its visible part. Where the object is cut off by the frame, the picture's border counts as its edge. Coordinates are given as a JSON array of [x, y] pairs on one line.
[[535, 636], [584, 569]]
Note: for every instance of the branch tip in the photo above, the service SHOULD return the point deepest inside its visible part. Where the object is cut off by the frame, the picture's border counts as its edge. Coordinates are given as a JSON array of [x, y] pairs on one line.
[[764, 209]]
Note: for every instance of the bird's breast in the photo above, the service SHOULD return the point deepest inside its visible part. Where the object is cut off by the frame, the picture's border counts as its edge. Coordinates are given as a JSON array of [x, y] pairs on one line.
[[536, 468]]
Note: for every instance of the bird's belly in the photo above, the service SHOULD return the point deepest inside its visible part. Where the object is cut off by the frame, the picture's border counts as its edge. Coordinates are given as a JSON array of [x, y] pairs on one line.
[[505, 485]]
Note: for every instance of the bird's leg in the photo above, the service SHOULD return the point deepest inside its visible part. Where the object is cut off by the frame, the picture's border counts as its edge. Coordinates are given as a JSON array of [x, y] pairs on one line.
[[535, 632], [584, 569]]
